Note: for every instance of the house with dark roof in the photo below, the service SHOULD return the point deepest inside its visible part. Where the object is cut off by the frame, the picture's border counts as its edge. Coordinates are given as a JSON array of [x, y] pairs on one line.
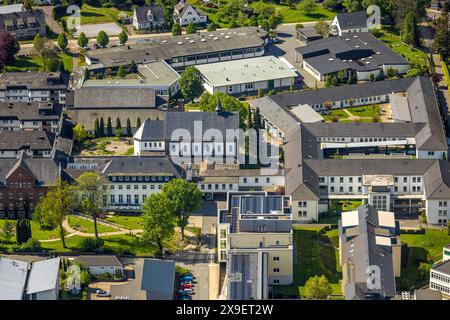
[[33, 87], [350, 23], [148, 17], [129, 180], [16, 116], [369, 253], [97, 265], [15, 144], [351, 54], [184, 13], [23, 25], [191, 136], [154, 280], [23, 182]]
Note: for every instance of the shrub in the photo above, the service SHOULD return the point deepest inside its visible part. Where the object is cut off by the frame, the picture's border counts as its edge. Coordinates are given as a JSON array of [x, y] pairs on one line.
[[32, 245], [91, 244]]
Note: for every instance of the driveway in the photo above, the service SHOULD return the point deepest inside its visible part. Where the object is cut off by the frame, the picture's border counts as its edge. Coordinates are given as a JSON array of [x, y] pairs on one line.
[[52, 23], [286, 48], [102, 285]]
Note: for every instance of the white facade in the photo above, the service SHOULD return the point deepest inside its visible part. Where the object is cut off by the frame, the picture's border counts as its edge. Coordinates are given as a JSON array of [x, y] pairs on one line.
[[249, 86], [440, 281], [98, 270], [190, 15], [339, 31], [33, 95]]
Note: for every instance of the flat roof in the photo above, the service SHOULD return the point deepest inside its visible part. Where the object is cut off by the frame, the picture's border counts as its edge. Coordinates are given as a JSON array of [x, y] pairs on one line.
[[306, 114], [246, 70], [12, 8], [44, 275], [158, 73]]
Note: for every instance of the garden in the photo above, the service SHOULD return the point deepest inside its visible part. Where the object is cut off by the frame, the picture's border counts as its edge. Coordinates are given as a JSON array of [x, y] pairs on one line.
[[370, 113], [317, 253]]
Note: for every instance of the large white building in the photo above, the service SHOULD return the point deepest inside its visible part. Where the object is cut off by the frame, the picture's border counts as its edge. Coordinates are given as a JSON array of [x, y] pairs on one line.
[[247, 75], [395, 166], [440, 275]]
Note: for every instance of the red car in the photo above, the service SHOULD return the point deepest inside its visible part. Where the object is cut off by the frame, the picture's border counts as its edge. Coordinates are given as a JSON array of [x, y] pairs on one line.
[[185, 286]]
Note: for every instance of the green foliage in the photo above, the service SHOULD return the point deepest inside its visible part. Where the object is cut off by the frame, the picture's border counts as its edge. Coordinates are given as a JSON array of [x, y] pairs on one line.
[[109, 130], [23, 231], [185, 197], [208, 102], [32, 245], [392, 73], [158, 215], [191, 83], [85, 279], [211, 27], [62, 41], [307, 6], [7, 230], [317, 288], [91, 245], [123, 37], [121, 73], [82, 40], [79, 134], [176, 29], [129, 133], [322, 28], [102, 39], [260, 93], [410, 31], [191, 28], [38, 42]]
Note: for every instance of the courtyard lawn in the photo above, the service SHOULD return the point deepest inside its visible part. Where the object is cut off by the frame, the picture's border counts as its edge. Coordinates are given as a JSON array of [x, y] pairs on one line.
[[36, 231], [392, 39], [366, 111], [86, 226], [25, 64], [340, 113], [316, 255], [344, 205], [424, 248], [107, 146], [128, 222]]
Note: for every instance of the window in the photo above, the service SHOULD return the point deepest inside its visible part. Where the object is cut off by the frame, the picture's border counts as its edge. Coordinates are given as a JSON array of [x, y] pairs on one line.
[[276, 269], [276, 281], [332, 179], [249, 86], [276, 258]]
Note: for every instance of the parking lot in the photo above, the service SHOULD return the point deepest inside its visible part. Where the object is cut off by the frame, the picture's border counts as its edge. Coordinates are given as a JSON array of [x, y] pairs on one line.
[[200, 283], [92, 30]]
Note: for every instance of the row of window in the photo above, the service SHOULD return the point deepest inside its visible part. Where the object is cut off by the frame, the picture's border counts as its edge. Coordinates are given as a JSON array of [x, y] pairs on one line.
[[350, 179], [139, 178], [348, 102], [135, 187], [216, 186], [439, 287], [440, 277], [350, 189], [256, 180]]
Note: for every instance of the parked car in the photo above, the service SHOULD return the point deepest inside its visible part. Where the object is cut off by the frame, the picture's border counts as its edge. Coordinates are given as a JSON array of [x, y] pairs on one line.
[[102, 293], [186, 281], [186, 286], [185, 297], [188, 291], [186, 278]]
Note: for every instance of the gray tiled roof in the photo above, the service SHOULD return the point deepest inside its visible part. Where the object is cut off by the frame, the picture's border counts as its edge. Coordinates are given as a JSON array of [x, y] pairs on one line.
[[141, 165], [98, 261], [35, 16], [32, 80], [167, 48], [155, 9], [99, 97], [29, 111], [33, 140], [352, 20], [443, 267], [45, 170]]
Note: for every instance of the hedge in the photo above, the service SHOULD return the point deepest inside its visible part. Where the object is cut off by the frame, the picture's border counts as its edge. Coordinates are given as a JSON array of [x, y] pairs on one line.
[[446, 72]]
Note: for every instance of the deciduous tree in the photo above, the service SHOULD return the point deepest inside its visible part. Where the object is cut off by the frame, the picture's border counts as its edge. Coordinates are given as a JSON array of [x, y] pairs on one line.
[[317, 288]]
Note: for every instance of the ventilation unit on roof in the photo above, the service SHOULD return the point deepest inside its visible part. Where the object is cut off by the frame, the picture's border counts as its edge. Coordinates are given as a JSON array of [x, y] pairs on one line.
[[191, 41], [164, 41], [331, 59], [203, 40], [356, 46], [187, 38], [347, 39], [216, 38], [180, 42], [355, 36], [227, 37]]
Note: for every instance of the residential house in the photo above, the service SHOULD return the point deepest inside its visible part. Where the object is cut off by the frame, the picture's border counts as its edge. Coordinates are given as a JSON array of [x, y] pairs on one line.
[[23, 25], [33, 87], [185, 13], [247, 75], [369, 253], [29, 116], [148, 17], [97, 265], [255, 241], [350, 23], [15, 144]]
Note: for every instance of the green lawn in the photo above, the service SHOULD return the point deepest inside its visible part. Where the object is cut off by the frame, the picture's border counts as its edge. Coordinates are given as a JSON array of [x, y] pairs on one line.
[[392, 38], [25, 64], [67, 61], [421, 248], [87, 226], [127, 222], [315, 256], [94, 15], [36, 231], [344, 205], [289, 14], [365, 112]]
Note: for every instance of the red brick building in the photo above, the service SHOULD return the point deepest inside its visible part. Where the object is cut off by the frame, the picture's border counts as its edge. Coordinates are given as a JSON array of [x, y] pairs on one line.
[[22, 183]]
